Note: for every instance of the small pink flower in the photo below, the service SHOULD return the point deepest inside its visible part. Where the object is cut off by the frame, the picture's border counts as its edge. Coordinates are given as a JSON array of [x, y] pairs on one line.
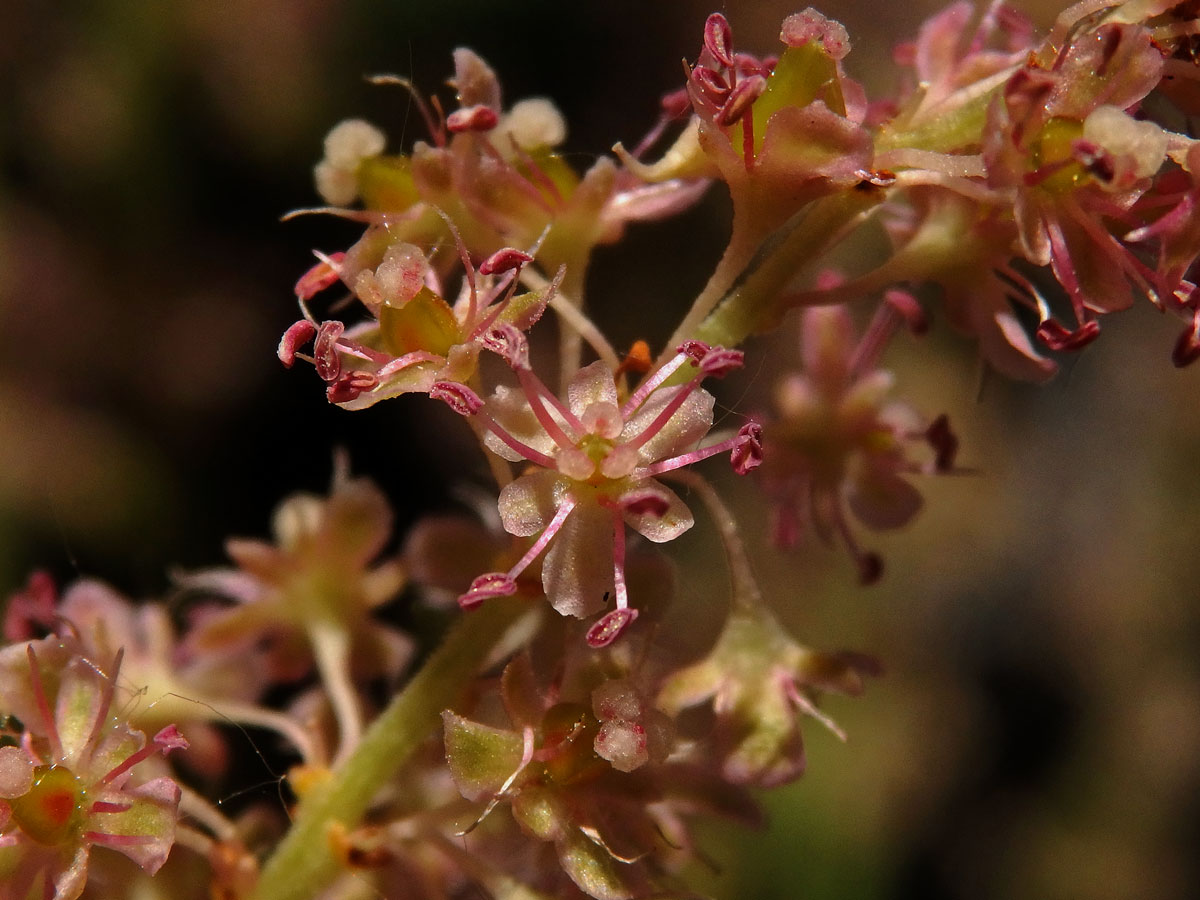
[[836, 442], [597, 459], [69, 784]]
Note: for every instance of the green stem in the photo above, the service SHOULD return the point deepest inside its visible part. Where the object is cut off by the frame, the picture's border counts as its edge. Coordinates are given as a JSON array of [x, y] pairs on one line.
[[303, 863], [752, 305]]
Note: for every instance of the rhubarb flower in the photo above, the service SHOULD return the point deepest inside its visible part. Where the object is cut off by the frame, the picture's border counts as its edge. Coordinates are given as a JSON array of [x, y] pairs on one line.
[[70, 782], [758, 681], [414, 338], [1060, 139], [597, 459], [593, 784], [837, 442]]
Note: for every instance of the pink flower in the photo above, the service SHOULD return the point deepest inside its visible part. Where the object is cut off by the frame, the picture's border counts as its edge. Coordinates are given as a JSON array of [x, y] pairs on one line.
[[413, 338], [759, 681], [1060, 139], [597, 458], [836, 442], [69, 783]]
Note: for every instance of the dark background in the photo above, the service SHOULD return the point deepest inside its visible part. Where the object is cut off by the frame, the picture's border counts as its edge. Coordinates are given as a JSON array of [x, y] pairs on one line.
[[1037, 733]]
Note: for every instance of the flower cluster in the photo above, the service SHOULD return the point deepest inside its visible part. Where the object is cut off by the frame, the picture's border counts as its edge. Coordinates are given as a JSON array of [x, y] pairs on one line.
[[1023, 186]]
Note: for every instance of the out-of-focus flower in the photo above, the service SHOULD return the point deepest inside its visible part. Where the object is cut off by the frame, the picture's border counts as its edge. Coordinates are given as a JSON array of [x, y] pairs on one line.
[[597, 458], [67, 776], [309, 596], [836, 441], [759, 681]]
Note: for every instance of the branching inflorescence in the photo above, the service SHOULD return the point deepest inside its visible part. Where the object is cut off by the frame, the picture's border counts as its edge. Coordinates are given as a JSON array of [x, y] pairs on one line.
[[1028, 186]]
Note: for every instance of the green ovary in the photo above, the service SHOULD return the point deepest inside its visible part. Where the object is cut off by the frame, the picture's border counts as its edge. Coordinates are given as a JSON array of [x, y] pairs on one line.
[[51, 812]]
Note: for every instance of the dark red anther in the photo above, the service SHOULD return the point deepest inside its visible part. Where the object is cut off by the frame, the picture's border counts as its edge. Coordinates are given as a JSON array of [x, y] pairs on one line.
[[747, 452], [909, 309], [645, 503], [504, 260], [741, 99], [712, 84], [349, 386], [1187, 348], [944, 443], [610, 627], [718, 38], [485, 587], [694, 350], [458, 397], [320, 276], [297, 335], [506, 340], [1056, 337], [719, 362], [472, 118], [746, 65], [328, 362]]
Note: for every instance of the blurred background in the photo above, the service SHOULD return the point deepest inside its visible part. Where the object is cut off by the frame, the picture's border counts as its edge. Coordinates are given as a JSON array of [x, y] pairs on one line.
[[1037, 733]]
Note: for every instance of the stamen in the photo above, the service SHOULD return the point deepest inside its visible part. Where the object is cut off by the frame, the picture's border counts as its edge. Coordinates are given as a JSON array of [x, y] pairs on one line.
[[669, 410], [560, 516], [718, 38], [297, 335], [610, 627], [651, 384], [465, 257], [325, 273], [436, 131], [43, 706], [108, 685], [472, 118], [620, 591], [741, 447], [540, 398]]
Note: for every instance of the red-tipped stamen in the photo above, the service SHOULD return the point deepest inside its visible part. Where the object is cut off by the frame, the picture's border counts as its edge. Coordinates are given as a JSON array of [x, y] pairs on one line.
[[485, 587], [434, 126], [297, 335], [672, 406], [651, 384], [43, 705], [325, 273], [468, 268], [541, 401], [166, 740], [472, 118], [535, 549], [686, 459], [610, 627]]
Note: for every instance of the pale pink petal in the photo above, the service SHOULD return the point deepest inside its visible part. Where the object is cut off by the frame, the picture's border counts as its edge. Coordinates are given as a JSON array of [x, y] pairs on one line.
[[683, 430], [528, 504], [577, 573], [591, 384], [665, 527]]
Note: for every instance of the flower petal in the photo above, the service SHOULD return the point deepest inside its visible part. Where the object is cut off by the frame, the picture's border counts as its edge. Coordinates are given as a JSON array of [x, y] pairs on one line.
[[528, 504], [665, 526], [577, 573]]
